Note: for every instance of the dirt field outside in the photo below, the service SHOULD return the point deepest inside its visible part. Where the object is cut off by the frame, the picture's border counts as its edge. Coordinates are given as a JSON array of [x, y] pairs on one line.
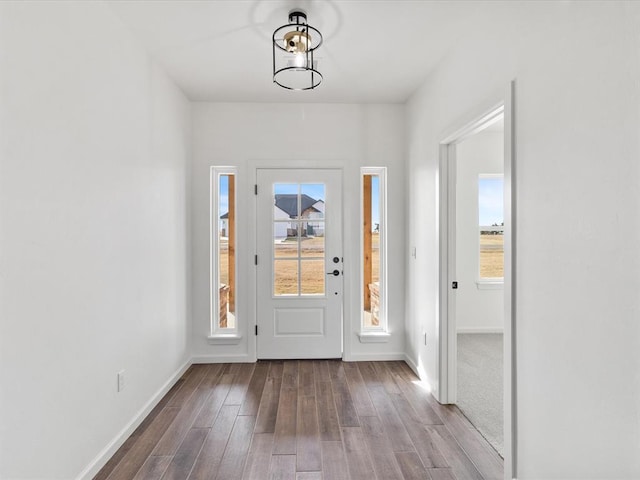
[[311, 266], [491, 256], [313, 275], [312, 251]]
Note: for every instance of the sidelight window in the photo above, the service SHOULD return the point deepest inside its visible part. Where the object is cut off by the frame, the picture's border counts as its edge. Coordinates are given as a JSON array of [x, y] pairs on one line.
[[223, 245], [373, 242]]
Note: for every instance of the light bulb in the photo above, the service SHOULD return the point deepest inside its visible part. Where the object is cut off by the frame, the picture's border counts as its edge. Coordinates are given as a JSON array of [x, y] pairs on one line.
[[299, 60]]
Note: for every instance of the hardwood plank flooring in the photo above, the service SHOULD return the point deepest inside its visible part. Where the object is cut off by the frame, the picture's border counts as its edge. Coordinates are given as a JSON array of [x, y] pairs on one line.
[[308, 437], [186, 455], [208, 460], [380, 449], [303, 420], [259, 456], [411, 466], [268, 410], [347, 416], [358, 460], [153, 468]]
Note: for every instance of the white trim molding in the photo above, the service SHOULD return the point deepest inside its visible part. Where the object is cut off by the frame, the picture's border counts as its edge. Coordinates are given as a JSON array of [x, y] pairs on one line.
[[412, 365], [224, 339], [373, 337], [239, 358], [480, 330], [490, 284], [375, 357], [112, 447]]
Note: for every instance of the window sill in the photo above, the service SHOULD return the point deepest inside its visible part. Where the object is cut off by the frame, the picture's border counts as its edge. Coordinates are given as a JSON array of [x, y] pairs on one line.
[[490, 284], [374, 337], [224, 339]]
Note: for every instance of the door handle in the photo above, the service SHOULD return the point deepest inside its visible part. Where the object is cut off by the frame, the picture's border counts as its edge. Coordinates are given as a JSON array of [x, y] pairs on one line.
[[335, 273]]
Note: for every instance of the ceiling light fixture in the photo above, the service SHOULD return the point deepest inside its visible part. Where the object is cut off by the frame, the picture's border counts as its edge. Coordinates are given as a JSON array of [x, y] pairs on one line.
[[294, 44]]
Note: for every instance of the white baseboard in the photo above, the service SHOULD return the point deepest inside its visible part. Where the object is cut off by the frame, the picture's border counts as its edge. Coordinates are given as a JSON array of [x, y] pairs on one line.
[[240, 358], [421, 374], [480, 330], [412, 365], [374, 357], [107, 452]]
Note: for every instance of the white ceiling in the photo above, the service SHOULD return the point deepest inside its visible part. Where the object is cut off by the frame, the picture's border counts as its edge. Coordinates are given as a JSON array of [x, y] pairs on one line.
[[373, 52]]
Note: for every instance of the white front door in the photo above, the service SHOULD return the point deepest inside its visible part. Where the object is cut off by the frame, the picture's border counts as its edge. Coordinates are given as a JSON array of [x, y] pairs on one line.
[[299, 271]]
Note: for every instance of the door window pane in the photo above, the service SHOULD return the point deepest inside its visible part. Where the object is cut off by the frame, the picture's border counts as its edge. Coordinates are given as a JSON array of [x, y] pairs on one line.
[[286, 247], [312, 277], [312, 200], [285, 277], [312, 246], [298, 233]]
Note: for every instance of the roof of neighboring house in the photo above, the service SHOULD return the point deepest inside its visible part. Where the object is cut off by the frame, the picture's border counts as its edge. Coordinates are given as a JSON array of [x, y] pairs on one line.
[[288, 203], [225, 216]]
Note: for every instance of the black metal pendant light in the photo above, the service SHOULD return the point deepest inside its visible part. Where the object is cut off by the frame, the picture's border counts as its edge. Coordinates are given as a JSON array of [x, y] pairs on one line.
[[294, 45]]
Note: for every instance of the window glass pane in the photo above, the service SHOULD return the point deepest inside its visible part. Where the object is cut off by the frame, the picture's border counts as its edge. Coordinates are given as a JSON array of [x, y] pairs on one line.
[[491, 255], [286, 201], [286, 247], [285, 277], [491, 226], [371, 249], [313, 245], [226, 251], [375, 228], [286, 188], [312, 278], [312, 201]]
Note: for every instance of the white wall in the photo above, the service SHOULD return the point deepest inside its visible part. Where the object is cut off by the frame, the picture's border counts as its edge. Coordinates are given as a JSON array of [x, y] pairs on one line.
[[578, 222], [94, 146], [349, 136], [477, 310]]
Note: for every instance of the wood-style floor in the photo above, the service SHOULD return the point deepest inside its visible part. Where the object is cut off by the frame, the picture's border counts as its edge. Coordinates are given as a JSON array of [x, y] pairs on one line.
[[303, 420]]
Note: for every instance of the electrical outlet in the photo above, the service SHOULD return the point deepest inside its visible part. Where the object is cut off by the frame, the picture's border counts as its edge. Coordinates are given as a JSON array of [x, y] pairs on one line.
[[120, 380]]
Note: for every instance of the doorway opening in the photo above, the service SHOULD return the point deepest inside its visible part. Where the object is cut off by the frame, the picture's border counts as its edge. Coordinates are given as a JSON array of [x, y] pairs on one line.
[[479, 273], [476, 314]]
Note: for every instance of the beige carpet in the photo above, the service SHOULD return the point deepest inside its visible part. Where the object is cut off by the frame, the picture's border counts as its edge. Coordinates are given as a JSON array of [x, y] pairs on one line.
[[480, 384]]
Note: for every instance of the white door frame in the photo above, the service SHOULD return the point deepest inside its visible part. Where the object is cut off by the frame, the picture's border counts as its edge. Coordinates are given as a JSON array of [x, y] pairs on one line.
[[446, 315], [253, 166]]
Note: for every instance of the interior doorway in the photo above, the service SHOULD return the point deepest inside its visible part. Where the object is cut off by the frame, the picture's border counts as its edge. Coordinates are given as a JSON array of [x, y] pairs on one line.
[[470, 305], [478, 269]]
